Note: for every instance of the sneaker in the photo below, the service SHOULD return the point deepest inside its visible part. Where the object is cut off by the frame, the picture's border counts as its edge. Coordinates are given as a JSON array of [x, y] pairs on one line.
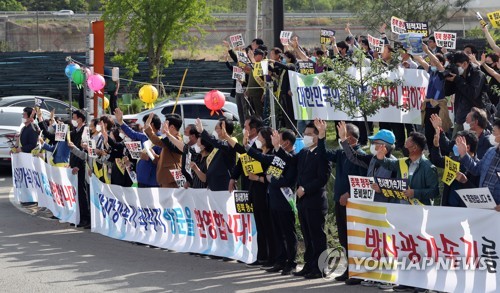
[[385, 286], [402, 288], [369, 283]]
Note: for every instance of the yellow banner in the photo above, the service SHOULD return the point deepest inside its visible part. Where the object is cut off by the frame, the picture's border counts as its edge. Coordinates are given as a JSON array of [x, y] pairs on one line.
[[250, 165], [451, 168], [494, 18], [257, 70]]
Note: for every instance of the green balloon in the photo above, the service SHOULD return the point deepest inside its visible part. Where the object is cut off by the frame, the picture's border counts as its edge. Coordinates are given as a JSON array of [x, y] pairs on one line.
[[78, 77]]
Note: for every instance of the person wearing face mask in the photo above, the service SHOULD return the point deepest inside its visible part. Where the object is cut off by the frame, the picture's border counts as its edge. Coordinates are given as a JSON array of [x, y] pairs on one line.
[[477, 121], [28, 138], [115, 162], [284, 90], [59, 149], [170, 156], [489, 65], [349, 135], [421, 173], [257, 192], [222, 159], [256, 84], [199, 164], [469, 87], [435, 100], [488, 167], [464, 178], [145, 168], [251, 128]]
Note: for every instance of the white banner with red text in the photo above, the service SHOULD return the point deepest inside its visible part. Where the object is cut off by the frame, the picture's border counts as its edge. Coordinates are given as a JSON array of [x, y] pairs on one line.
[[52, 187], [313, 99], [183, 220], [439, 248]]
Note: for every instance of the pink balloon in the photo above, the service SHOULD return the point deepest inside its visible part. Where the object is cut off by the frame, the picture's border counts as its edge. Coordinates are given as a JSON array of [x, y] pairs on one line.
[[88, 73], [96, 82]]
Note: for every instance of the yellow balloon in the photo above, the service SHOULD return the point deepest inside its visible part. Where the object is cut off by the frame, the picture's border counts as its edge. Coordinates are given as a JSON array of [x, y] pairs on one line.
[[106, 103], [148, 94]]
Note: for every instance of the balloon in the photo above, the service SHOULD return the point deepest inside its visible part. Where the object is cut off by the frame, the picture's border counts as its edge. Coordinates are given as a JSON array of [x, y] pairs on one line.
[[96, 82], [88, 72], [78, 77], [70, 68], [214, 100], [148, 94], [106, 103]]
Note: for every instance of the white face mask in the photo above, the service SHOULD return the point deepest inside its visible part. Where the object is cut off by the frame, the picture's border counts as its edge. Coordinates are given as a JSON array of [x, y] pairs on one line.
[[122, 136], [446, 64], [491, 138], [308, 141], [185, 139], [244, 132], [74, 123], [23, 120], [340, 145], [52, 129], [197, 148], [215, 134], [373, 151], [98, 128], [466, 126], [461, 70], [258, 144], [127, 139]]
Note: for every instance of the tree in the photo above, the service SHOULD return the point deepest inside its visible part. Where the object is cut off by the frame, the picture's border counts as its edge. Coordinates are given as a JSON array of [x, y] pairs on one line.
[[359, 83], [154, 28], [436, 13], [11, 5]]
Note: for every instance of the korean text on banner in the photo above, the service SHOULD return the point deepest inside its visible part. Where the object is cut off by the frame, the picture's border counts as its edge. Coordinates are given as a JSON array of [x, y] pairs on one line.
[[361, 188], [184, 220], [479, 198], [312, 98], [324, 36], [432, 247], [398, 25], [446, 40], [237, 41], [52, 187], [494, 18], [285, 37]]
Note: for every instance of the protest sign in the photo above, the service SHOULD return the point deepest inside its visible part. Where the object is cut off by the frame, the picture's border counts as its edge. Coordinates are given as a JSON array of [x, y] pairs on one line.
[[183, 220], [494, 18], [242, 58], [38, 102], [438, 248], [276, 168], [479, 198], [446, 40], [398, 25], [451, 168], [361, 188], [250, 165], [418, 28], [291, 197], [412, 43], [257, 70], [392, 187], [179, 178], [312, 98], [376, 44], [242, 202], [324, 36], [91, 147], [237, 41], [52, 187], [238, 73], [285, 37], [86, 134], [61, 130], [306, 67], [134, 148], [148, 146]]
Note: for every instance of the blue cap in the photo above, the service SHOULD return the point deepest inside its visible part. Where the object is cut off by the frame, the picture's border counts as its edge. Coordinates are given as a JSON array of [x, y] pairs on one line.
[[384, 135]]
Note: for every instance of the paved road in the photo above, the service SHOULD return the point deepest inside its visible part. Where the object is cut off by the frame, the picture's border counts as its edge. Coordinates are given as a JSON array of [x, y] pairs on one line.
[[43, 255]]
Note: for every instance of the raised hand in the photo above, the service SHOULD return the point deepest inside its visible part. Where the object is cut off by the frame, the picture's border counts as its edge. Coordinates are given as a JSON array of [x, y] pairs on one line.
[[436, 121], [165, 129], [381, 152], [342, 130], [245, 138], [321, 126], [198, 125], [119, 116], [462, 146], [223, 131], [147, 124], [483, 59], [275, 138]]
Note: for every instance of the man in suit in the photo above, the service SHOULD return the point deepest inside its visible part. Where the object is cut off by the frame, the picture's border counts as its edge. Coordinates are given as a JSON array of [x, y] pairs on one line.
[[28, 139], [313, 172]]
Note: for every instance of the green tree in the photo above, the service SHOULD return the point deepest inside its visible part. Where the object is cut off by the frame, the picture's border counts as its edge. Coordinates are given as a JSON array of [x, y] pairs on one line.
[[355, 83], [11, 5], [436, 13], [154, 28]]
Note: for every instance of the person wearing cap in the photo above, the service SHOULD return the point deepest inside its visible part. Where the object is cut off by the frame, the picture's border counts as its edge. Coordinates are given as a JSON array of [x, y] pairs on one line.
[[256, 84], [369, 161]]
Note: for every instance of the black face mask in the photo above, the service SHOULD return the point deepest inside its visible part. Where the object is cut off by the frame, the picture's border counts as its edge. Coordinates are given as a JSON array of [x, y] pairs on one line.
[[406, 152]]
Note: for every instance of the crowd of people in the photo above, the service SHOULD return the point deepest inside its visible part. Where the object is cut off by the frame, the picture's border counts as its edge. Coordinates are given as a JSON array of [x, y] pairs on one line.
[[471, 139]]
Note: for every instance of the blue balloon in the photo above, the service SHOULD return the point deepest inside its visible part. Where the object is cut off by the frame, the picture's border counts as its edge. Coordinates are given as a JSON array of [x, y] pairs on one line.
[[299, 144], [70, 68]]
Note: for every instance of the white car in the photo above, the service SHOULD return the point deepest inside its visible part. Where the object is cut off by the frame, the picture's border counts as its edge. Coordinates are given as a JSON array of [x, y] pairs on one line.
[[189, 110], [64, 12], [10, 126]]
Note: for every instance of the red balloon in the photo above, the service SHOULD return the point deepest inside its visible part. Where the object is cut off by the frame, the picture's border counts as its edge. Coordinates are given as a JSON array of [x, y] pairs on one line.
[[214, 100]]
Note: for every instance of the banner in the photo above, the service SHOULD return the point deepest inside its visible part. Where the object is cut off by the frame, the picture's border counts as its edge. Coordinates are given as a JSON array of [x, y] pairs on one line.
[[184, 220], [52, 187], [494, 18], [418, 28], [311, 98], [398, 25], [437, 248], [446, 40]]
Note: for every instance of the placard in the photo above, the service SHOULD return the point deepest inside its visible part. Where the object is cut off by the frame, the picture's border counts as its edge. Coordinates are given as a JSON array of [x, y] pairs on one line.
[[243, 59], [250, 165], [237, 41], [61, 130], [179, 178], [38, 102], [494, 18], [376, 44], [276, 168], [238, 73], [446, 40], [134, 148], [242, 202], [361, 188], [91, 147], [398, 25], [324, 36], [418, 28], [86, 134], [306, 67], [479, 198], [451, 168], [285, 37]]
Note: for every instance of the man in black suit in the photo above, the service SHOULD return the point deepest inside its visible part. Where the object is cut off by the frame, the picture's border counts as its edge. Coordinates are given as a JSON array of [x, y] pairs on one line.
[[313, 172]]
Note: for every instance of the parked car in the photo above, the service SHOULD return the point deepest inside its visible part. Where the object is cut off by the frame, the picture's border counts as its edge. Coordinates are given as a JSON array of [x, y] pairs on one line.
[[64, 12], [189, 110], [48, 104], [10, 126]]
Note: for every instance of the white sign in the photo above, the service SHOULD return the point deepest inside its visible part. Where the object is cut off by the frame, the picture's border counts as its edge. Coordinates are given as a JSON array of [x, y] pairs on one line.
[[184, 220], [398, 25], [148, 146], [376, 44], [86, 134], [446, 40], [61, 130], [237, 41], [361, 188], [180, 179], [134, 148], [285, 37], [238, 73], [38, 101], [479, 198], [52, 187]]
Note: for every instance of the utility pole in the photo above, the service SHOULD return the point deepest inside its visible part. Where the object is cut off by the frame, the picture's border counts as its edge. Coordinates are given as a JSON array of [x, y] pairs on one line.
[[278, 21], [252, 8], [267, 23]]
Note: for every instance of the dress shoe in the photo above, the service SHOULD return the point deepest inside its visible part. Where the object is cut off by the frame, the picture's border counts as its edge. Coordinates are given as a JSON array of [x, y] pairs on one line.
[[352, 281], [276, 268], [301, 273], [314, 275], [287, 270]]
